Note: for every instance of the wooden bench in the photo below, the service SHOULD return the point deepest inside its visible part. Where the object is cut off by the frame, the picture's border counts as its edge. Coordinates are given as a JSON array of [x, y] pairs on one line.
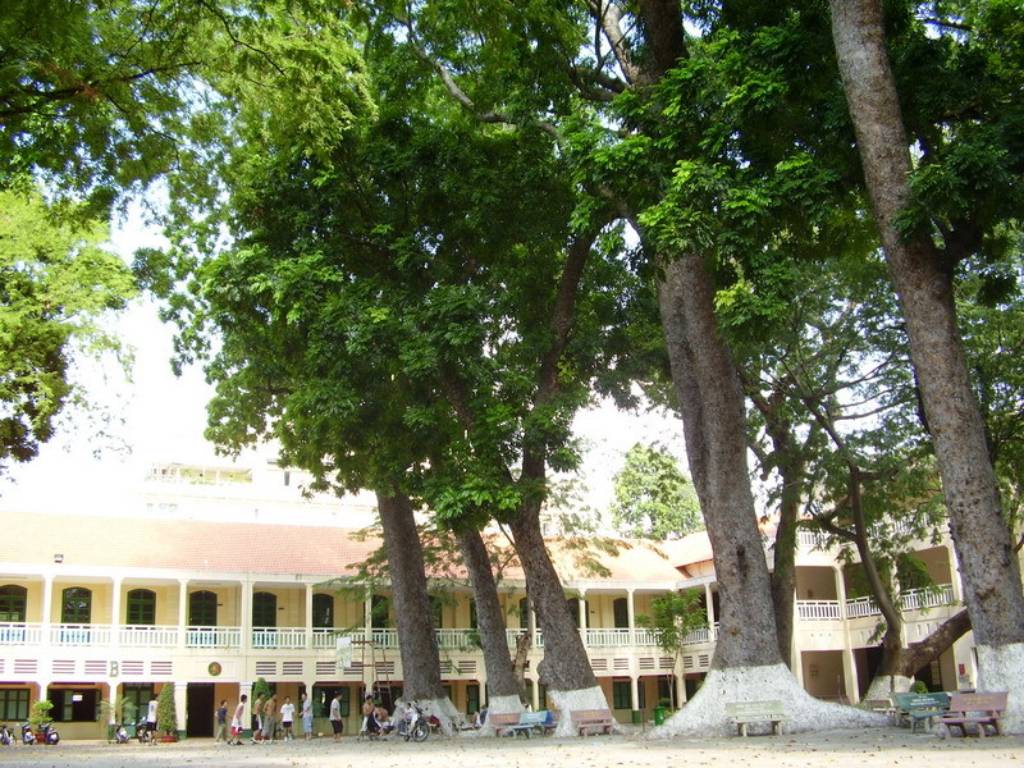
[[507, 724], [584, 721], [745, 712], [974, 708], [917, 708], [543, 721]]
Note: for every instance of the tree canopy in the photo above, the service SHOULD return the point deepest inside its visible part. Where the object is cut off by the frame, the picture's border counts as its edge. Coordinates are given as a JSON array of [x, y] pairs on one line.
[[653, 498]]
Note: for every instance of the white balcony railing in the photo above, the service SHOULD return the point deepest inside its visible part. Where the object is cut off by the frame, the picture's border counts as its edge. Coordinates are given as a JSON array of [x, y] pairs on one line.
[[457, 639], [385, 638], [326, 638], [699, 636], [818, 610], [213, 637], [607, 638], [859, 607], [930, 597], [19, 633], [647, 638], [80, 634], [279, 637], [136, 636]]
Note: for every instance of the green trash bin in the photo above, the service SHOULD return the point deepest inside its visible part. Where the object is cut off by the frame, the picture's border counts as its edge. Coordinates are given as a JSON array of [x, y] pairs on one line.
[[659, 715], [637, 717]]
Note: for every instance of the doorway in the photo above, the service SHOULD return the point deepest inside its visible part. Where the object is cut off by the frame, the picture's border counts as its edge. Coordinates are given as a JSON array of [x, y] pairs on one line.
[[199, 710]]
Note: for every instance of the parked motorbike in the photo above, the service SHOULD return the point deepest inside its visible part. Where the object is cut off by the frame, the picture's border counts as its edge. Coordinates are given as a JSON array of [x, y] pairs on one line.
[[6, 737], [142, 732], [46, 734], [412, 724], [121, 734]]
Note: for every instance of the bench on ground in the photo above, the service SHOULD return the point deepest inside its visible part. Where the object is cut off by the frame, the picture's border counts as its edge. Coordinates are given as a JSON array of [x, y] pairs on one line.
[[514, 723], [974, 708], [584, 721], [543, 721], [745, 712], [919, 707]]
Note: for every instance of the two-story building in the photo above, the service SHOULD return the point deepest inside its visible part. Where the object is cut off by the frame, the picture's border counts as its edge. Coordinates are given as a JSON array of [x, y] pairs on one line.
[[104, 609]]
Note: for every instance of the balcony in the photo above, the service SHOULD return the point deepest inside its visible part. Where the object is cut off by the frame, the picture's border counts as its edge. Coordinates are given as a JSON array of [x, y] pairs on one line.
[[279, 637], [213, 637], [148, 636], [81, 635], [911, 600], [818, 610], [19, 633]]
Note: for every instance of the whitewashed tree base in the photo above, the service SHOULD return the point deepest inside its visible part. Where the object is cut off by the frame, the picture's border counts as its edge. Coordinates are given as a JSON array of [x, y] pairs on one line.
[[704, 714], [499, 705], [883, 685], [444, 710], [573, 701], [1001, 668]]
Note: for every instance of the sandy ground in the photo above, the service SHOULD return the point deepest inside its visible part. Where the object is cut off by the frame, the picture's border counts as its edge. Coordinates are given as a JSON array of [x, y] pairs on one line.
[[859, 749]]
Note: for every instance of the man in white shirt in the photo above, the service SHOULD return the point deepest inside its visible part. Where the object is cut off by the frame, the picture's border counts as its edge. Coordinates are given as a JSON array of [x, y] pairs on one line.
[[287, 716], [336, 716], [151, 716]]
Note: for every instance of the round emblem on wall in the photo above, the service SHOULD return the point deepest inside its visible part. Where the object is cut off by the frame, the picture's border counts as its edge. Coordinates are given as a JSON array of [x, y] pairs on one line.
[[214, 668]]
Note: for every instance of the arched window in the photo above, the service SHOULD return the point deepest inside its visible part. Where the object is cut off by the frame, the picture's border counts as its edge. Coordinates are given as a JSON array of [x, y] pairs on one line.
[[76, 606], [620, 608], [202, 609], [323, 611], [141, 607], [264, 609], [524, 612], [12, 603], [379, 610]]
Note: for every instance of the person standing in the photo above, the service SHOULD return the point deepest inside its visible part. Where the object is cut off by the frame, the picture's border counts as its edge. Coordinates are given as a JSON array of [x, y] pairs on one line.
[[307, 716], [257, 719], [335, 716], [236, 721], [151, 718], [222, 722], [270, 719], [287, 717], [365, 728]]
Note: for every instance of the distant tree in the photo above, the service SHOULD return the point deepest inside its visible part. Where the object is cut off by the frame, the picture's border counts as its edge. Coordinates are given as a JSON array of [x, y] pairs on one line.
[[653, 498], [56, 281]]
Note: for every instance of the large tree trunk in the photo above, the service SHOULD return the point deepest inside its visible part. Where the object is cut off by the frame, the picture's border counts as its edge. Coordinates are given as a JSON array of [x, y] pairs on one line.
[[988, 563], [747, 663], [417, 642], [714, 424], [502, 686], [565, 669]]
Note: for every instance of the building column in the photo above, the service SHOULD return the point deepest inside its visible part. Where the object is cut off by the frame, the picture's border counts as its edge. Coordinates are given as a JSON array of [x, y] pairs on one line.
[[634, 693], [115, 613], [849, 663], [535, 693], [954, 574], [583, 609], [309, 615], [710, 601], [181, 705], [47, 608], [113, 697], [531, 618], [680, 683], [182, 611], [368, 616], [631, 616], [246, 617], [245, 689]]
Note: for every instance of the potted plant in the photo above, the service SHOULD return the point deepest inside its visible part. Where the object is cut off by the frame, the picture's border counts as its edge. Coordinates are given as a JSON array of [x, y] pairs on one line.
[[39, 716], [166, 716], [123, 713]]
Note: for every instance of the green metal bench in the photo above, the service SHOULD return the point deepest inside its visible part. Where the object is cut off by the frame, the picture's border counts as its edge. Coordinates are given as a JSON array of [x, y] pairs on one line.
[[917, 708]]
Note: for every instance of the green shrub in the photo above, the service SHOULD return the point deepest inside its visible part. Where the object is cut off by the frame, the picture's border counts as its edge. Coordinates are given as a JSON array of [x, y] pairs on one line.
[[40, 713], [166, 716]]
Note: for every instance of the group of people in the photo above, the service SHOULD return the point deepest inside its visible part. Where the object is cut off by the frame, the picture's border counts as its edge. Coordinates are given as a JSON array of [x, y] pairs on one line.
[[376, 719], [265, 718]]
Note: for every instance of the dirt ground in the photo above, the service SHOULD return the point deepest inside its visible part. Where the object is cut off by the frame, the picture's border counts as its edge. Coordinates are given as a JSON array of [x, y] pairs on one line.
[[858, 749]]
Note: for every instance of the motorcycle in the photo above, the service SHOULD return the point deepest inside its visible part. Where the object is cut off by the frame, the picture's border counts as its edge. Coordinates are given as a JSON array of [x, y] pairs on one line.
[[142, 732], [46, 734], [6, 737], [412, 724], [121, 734]]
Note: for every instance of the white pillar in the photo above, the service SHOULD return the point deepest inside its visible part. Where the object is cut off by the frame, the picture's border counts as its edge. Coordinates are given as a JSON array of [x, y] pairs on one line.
[[246, 617], [954, 574], [246, 690], [849, 664], [368, 615], [112, 697], [182, 611], [535, 688], [709, 599], [47, 608], [634, 693], [631, 616], [309, 615], [680, 679], [583, 609], [531, 617], [181, 704]]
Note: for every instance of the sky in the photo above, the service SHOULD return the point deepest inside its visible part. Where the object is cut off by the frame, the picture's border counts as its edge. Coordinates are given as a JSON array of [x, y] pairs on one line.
[[159, 418]]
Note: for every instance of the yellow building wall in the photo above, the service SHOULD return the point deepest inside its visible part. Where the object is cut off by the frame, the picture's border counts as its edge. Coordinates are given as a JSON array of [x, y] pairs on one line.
[[102, 594]]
